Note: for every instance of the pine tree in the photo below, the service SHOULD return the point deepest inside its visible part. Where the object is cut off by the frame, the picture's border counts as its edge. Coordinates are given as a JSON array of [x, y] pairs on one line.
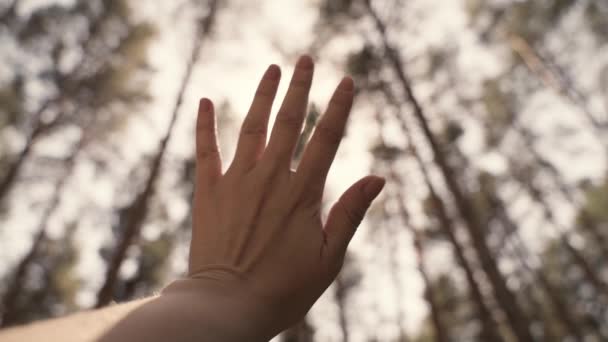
[[132, 217], [507, 300], [94, 120]]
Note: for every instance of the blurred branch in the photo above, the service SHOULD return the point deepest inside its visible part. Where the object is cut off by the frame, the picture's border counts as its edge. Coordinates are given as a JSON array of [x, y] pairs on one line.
[[507, 300], [132, 217], [551, 79], [538, 197], [557, 303], [441, 331], [69, 88], [8, 310], [489, 331]]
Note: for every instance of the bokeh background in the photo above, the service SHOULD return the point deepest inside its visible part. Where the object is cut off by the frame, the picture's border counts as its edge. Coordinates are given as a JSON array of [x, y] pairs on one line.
[[487, 117]]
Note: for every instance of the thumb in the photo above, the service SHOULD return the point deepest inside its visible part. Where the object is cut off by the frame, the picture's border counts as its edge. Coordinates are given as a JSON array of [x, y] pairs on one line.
[[346, 215]]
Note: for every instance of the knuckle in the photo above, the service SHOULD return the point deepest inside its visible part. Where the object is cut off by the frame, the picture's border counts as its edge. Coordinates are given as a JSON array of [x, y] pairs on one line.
[[289, 119], [267, 174], [207, 153], [309, 196], [207, 127], [354, 217], [264, 91], [253, 130], [329, 134]]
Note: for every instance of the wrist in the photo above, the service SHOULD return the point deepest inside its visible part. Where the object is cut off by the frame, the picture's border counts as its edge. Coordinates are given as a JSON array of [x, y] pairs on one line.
[[228, 308]]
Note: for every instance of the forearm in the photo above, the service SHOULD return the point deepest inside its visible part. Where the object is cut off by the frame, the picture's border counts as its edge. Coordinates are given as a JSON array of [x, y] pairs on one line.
[[193, 310], [185, 311], [82, 326]]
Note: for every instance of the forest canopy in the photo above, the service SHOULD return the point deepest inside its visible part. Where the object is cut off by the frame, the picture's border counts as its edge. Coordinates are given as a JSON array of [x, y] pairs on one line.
[[489, 120]]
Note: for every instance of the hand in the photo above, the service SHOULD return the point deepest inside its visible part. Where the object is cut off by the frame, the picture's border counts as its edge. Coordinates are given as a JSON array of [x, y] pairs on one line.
[[257, 228]]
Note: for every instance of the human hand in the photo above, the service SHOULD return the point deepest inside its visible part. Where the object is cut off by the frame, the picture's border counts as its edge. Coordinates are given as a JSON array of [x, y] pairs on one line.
[[258, 233]]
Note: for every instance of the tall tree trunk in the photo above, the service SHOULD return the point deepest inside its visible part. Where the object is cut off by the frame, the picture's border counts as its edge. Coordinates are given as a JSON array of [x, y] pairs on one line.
[[555, 299], [507, 300], [10, 177], [67, 87], [383, 163], [587, 222], [537, 195], [441, 330], [560, 307], [9, 13], [393, 250], [132, 218], [489, 327], [341, 293], [16, 284], [14, 288], [441, 333], [552, 79], [536, 304]]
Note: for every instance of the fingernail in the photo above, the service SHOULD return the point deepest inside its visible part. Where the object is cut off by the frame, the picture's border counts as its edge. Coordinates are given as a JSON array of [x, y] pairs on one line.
[[373, 187], [304, 62], [347, 84], [205, 104], [273, 72]]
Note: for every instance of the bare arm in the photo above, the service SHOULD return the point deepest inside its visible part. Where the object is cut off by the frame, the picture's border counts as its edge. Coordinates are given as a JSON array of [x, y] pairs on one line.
[[187, 310], [260, 254], [83, 326]]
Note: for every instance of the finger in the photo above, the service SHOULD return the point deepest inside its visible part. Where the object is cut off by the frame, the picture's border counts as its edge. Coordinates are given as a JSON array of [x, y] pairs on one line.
[[321, 150], [346, 215], [252, 139], [289, 119], [208, 161]]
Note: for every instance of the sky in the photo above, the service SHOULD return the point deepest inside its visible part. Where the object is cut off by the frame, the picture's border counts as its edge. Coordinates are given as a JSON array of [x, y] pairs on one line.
[[248, 37], [230, 70], [251, 35]]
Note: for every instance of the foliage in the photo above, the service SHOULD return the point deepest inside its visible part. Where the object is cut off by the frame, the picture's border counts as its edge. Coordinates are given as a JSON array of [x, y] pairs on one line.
[[485, 135]]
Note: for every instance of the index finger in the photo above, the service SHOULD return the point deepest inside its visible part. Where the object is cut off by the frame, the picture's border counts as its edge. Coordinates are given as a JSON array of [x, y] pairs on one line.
[[321, 150]]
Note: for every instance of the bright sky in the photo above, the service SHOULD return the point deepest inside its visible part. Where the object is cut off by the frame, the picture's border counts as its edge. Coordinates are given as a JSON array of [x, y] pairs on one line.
[[230, 70], [249, 36]]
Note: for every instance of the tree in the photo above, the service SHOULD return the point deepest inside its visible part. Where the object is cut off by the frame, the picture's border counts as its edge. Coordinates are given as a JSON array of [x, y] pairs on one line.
[[504, 296], [132, 217], [108, 80], [97, 77], [48, 284], [525, 27]]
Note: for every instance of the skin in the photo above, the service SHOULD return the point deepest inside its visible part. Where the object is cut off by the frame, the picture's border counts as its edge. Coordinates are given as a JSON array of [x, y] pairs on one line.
[[260, 254]]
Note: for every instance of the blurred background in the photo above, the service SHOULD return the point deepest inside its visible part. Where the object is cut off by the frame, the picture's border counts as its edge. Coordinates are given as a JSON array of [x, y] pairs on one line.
[[489, 119]]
